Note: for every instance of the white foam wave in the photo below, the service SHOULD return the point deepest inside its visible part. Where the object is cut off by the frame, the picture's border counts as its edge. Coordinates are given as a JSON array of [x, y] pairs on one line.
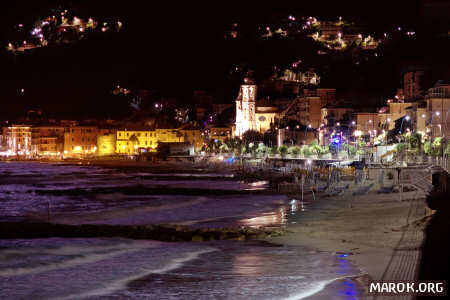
[[316, 288], [81, 257], [121, 283]]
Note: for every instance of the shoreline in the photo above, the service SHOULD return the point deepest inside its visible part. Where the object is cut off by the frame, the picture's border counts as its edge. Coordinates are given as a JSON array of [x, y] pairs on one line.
[[380, 225]]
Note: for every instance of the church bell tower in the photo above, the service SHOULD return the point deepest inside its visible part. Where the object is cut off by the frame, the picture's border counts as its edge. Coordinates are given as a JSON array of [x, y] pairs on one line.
[[245, 107]]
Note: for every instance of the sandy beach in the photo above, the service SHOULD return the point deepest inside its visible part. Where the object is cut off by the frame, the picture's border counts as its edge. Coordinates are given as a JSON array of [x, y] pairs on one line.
[[379, 233]]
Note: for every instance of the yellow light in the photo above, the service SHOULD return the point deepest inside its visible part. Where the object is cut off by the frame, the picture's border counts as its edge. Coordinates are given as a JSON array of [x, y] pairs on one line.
[[77, 149]]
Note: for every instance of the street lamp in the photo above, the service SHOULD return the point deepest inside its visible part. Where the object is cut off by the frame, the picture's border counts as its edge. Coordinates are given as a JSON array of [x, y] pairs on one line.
[[401, 126]]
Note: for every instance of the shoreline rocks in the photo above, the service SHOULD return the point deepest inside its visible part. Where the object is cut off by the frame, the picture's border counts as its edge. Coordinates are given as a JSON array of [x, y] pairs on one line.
[[162, 232]]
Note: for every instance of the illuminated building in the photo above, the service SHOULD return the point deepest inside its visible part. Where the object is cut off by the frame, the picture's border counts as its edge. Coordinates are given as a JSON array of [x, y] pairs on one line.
[[80, 141], [252, 114], [106, 144], [438, 107], [265, 115], [246, 108], [136, 141], [18, 139], [394, 111], [192, 135], [220, 133], [311, 103], [131, 142], [332, 114], [418, 117], [169, 136], [47, 141]]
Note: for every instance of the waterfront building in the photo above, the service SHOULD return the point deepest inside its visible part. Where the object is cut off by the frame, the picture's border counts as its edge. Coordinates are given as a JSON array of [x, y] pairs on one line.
[[192, 135], [80, 141], [135, 141], [47, 141], [18, 139], [144, 140], [106, 144]]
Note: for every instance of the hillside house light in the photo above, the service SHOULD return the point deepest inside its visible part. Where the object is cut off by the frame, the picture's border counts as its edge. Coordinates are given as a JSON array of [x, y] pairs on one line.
[[309, 126], [353, 123], [297, 127], [338, 124]]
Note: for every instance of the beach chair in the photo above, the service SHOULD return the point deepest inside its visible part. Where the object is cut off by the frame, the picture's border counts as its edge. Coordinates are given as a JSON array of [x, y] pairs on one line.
[[386, 189], [363, 190], [337, 191]]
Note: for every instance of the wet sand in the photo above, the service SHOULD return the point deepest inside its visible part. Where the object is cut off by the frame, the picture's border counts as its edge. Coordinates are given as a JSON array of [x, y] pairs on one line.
[[368, 230]]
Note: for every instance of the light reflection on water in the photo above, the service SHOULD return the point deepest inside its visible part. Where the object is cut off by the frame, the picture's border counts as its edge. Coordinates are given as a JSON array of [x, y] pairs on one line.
[[276, 217]]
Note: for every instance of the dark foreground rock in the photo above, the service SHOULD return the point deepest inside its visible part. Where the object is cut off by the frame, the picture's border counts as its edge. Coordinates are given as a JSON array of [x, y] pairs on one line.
[[169, 233]]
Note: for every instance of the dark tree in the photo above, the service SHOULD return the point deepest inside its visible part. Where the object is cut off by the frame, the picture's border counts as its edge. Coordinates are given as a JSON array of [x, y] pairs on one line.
[[252, 136]]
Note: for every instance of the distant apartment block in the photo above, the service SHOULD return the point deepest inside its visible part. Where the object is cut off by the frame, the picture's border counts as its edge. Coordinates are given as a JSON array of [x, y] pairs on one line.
[[412, 85]]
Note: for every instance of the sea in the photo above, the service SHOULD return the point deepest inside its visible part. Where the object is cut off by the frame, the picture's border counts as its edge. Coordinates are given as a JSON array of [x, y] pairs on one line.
[[119, 268]]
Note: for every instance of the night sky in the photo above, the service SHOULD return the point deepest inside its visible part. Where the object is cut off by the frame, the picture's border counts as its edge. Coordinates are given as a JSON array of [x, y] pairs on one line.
[[173, 47]]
